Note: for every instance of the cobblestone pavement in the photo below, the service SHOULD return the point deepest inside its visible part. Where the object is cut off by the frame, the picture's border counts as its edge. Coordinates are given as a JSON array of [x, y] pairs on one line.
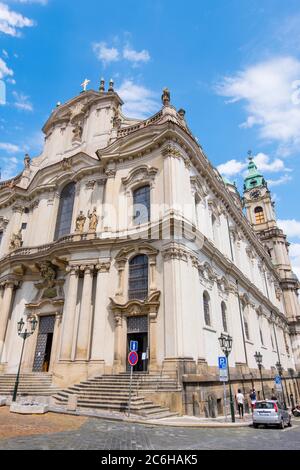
[[98, 434], [13, 425]]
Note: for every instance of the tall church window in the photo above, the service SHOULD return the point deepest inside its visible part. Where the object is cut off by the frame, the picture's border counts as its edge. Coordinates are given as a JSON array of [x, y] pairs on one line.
[[224, 317], [261, 336], [1, 236], [206, 309], [141, 205], [65, 211], [259, 215], [138, 278], [246, 327]]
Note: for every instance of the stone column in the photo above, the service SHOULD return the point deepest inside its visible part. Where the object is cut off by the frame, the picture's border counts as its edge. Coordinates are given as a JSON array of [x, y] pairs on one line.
[[100, 318], [84, 327], [5, 310], [118, 341], [69, 314], [110, 209], [153, 341]]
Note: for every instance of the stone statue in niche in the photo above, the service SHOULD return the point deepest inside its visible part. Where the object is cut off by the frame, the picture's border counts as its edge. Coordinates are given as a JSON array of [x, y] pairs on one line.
[[77, 133], [80, 221], [117, 120], [48, 275], [93, 220], [16, 241], [27, 161]]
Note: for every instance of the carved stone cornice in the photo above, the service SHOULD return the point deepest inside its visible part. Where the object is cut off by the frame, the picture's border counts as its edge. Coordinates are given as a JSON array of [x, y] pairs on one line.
[[130, 251]]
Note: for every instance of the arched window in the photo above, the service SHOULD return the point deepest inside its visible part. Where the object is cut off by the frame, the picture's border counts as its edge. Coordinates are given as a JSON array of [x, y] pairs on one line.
[[138, 277], [141, 205], [261, 336], [65, 211], [1, 236], [224, 317], [259, 215], [197, 204], [206, 309], [246, 327]]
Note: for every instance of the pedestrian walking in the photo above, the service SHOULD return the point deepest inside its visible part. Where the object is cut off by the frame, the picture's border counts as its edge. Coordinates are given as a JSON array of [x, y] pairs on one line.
[[240, 403], [252, 399]]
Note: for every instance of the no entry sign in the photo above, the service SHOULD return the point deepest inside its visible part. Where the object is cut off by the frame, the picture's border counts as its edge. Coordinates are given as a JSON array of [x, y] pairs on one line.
[[133, 358]]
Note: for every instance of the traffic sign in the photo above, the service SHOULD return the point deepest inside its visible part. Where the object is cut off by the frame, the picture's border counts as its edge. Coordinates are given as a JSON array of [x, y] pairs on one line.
[[278, 379], [223, 375], [222, 362], [134, 345], [133, 358]]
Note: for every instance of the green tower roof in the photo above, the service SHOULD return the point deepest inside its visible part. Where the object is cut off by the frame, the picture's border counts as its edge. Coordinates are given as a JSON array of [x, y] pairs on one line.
[[254, 179]]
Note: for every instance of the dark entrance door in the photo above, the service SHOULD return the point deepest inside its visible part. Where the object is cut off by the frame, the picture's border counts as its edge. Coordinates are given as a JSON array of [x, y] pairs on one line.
[[44, 344], [137, 330]]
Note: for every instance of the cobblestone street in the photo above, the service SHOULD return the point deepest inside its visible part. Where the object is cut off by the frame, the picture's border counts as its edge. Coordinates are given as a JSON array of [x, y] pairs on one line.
[[98, 434]]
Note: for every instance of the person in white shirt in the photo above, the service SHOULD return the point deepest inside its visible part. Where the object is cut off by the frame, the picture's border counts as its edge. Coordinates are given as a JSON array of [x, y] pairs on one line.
[[240, 403]]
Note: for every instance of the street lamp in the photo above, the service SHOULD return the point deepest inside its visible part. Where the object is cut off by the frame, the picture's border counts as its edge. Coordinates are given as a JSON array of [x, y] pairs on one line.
[[280, 370], [226, 346], [258, 358], [33, 324]]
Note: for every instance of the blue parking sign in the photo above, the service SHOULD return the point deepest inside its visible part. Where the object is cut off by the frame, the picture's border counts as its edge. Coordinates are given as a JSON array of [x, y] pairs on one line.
[[222, 362], [133, 346], [278, 379]]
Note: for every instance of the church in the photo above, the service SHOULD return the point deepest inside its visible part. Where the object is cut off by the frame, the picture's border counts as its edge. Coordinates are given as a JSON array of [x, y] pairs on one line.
[[122, 230]]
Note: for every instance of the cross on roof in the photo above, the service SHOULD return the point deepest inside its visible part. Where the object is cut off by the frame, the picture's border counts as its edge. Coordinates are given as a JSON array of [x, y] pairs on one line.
[[85, 84]]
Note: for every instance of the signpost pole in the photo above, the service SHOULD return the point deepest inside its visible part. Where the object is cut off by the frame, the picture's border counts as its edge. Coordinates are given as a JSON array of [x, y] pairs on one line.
[[130, 388], [225, 402]]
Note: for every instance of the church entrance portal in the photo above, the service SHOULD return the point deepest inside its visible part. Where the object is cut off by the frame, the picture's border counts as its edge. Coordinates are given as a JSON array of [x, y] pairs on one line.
[[137, 330], [44, 344]]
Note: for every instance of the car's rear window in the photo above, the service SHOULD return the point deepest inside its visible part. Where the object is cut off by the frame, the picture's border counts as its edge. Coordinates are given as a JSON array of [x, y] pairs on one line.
[[265, 406]]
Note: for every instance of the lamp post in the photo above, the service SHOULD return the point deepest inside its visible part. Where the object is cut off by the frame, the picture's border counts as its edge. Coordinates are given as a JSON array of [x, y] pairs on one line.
[[24, 336], [258, 358], [226, 346], [280, 370]]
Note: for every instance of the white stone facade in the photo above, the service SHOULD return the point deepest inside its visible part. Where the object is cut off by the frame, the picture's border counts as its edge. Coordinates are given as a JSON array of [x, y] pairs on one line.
[[197, 242]]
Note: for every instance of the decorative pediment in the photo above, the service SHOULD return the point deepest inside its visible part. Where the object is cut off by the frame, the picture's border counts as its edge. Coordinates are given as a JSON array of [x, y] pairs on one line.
[[134, 308], [223, 285], [199, 187], [126, 253], [140, 175], [215, 207]]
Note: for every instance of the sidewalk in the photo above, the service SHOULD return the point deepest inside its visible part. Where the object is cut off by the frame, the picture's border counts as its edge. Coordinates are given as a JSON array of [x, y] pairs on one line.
[[176, 421]]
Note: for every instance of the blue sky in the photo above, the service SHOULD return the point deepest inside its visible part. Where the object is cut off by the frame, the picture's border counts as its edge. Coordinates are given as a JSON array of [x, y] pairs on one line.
[[233, 65]]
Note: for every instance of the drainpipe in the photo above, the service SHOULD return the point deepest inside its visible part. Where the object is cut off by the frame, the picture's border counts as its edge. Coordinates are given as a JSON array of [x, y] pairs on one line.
[[242, 323]]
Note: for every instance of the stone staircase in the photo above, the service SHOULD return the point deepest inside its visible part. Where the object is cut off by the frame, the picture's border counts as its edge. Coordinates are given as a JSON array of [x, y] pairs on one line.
[[35, 384], [111, 392]]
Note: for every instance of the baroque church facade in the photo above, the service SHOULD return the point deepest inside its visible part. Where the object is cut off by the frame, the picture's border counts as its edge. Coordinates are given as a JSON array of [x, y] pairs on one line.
[[123, 230]]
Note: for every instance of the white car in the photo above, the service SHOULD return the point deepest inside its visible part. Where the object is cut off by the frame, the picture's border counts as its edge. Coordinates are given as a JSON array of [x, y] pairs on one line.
[[271, 412]]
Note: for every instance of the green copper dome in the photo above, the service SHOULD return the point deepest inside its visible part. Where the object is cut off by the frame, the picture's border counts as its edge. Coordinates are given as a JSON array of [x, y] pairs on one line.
[[254, 179]]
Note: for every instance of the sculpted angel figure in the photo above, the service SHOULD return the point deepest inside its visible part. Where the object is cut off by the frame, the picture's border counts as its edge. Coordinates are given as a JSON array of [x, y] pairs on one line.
[[16, 240], [93, 220]]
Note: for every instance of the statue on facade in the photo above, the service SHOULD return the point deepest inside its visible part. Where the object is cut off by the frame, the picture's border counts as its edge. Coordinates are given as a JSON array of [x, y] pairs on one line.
[[166, 97], [117, 121], [27, 161], [16, 241], [48, 275], [80, 221], [77, 133], [93, 220]]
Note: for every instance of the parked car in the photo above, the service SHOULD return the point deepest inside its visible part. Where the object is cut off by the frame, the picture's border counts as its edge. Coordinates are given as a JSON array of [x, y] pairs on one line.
[[271, 412]]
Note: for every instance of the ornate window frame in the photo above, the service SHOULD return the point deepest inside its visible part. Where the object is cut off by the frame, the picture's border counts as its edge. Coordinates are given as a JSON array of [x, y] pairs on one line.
[[143, 175]]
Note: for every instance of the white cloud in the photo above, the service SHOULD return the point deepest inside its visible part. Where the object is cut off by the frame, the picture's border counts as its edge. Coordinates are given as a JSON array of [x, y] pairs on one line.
[[5, 53], [40, 2], [5, 71], [231, 168], [9, 148], [135, 56], [282, 180], [294, 251], [139, 100], [22, 101], [263, 161], [11, 22], [105, 54], [271, 97], [291, 227], [8, 167]]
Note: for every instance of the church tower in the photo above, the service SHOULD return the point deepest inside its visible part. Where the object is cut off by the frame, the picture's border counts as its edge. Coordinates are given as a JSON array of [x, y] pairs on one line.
[[260, 212]]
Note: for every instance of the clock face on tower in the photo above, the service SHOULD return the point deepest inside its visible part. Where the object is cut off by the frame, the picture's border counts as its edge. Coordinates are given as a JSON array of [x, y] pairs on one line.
[[255, 194]]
